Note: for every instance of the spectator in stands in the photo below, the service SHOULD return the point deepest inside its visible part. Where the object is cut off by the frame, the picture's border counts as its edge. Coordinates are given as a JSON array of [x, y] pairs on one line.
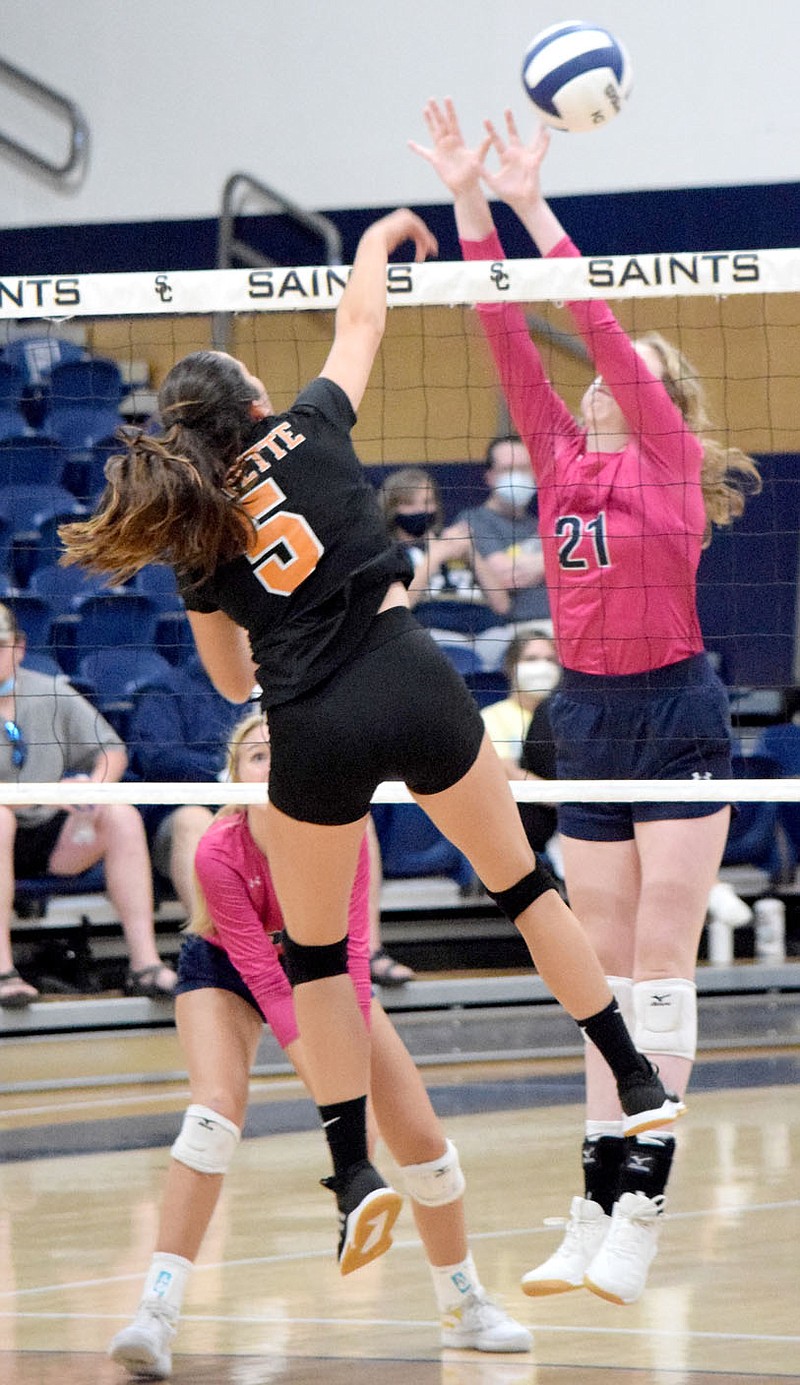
[[231, 983], [532, 668], [53, 733], [533, 671], [500, 538], [412, 506], [178, 734]]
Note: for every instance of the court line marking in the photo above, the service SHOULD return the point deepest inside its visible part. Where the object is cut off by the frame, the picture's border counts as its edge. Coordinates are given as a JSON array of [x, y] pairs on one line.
[[264, 1320], [285, 1259]]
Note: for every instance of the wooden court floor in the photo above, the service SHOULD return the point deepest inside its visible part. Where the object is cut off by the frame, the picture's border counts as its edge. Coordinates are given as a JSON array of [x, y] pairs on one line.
[[266, 1305]]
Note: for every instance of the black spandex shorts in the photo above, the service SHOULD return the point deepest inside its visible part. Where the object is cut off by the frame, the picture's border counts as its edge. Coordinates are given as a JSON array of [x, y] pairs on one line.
[[398, 709], [33, 846]]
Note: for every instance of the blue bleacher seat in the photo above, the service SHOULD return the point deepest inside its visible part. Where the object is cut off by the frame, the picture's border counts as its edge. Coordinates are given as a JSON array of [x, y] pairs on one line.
[[116, 619], [488, 686], [31, 461], [120, 673], [755, 837], [63, 586], [36, 356], [28, 510], [463, 658], [111, 678], [412, 846], [13, 422], [84, 402], [462, 617], [34, 617], [31, 896], [174, 639], [782, 744], [158, 582], [84, 472]]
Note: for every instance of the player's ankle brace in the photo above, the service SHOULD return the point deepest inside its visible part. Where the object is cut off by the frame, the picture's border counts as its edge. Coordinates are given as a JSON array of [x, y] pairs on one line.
[[647, 1164], [517, 898], [305, 963]]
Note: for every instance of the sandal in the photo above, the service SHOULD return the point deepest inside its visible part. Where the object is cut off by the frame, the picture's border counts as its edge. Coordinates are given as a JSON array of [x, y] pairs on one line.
[[15, 993], [385, 971], [146, 982]]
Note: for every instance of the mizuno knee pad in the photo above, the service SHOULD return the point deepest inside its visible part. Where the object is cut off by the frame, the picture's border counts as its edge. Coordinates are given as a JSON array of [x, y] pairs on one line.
[[665, 1017], [207, 1141], [436, 1183]]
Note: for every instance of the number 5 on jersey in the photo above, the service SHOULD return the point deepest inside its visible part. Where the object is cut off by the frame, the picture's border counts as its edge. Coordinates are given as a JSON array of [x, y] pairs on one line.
[[284, 550]]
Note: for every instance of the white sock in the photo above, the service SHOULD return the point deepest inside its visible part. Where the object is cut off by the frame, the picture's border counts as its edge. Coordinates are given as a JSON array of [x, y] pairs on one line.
[[166, 1280], [594, 1129], [452, 1283]]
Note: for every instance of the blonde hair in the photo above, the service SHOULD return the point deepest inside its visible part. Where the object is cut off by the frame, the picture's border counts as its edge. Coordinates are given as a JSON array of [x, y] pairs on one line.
[[727, 475], [201, 922]]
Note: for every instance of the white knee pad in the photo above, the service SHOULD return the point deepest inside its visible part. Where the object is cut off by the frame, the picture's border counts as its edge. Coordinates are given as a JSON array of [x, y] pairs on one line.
[[622, 991], [666, 1017], [435, 1183], [207, 1141]]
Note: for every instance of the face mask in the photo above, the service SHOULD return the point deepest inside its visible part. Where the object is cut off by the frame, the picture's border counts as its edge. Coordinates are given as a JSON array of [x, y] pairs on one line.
[[416, 524], [516, 488], [537, 675]]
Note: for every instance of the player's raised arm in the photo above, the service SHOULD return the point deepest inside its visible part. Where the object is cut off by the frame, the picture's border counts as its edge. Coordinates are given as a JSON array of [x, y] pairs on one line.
[[361, 315]]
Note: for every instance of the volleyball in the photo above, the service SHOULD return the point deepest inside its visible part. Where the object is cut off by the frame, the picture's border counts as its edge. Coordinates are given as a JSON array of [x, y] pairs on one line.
[[577, 75]]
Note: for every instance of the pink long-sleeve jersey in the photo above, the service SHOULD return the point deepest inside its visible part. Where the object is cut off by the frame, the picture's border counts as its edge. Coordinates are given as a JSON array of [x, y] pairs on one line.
[[622, 532], [236, 881]]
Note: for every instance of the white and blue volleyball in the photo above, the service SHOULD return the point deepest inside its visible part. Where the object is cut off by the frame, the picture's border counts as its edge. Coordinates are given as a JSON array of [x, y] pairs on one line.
[[577, 75]]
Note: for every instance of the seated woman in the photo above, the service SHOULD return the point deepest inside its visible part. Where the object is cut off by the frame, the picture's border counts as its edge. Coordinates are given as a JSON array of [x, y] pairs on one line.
[[412, 506], [230, 982]]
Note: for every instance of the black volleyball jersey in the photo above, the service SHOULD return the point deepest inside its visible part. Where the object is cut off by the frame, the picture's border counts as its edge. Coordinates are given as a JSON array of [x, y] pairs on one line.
[[319, 563]]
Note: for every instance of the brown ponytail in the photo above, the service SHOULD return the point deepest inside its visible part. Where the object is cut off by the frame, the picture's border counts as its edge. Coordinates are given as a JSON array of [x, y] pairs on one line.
[[165, 499]]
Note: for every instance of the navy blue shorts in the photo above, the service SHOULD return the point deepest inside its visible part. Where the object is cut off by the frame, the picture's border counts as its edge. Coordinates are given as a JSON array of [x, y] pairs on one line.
[[398, 709], [203, 965], [668, 723]]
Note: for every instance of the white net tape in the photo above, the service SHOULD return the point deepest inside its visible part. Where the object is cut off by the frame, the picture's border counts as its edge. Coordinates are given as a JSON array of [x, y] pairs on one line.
[[541, 791], [316, 288]]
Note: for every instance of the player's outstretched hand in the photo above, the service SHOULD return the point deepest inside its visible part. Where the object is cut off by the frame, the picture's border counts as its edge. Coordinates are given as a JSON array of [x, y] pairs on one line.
[[459, 167], [517, 179], [404, 225]]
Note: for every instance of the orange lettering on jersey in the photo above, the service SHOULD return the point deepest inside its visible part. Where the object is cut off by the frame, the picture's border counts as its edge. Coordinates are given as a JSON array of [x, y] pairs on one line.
[[284, 549]]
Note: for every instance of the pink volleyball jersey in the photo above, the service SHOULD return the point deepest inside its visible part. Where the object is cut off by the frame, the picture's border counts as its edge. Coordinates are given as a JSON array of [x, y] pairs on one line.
[[622, 532], [242, 902]]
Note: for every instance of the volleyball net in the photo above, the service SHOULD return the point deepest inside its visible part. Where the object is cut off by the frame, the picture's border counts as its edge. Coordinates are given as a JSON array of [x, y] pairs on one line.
[[433, 404]]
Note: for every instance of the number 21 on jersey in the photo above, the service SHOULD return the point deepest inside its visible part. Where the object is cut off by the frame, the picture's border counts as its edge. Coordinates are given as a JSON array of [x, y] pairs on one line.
[[571, 531]]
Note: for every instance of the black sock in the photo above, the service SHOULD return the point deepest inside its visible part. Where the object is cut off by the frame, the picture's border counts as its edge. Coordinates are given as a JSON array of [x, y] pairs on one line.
[[602, 1157], [648, 1160], [345, 1125], [608, 1032]]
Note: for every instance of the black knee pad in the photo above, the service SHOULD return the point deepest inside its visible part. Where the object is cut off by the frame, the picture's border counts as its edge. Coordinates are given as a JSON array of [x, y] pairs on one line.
[[515, 900], [313, 963]]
